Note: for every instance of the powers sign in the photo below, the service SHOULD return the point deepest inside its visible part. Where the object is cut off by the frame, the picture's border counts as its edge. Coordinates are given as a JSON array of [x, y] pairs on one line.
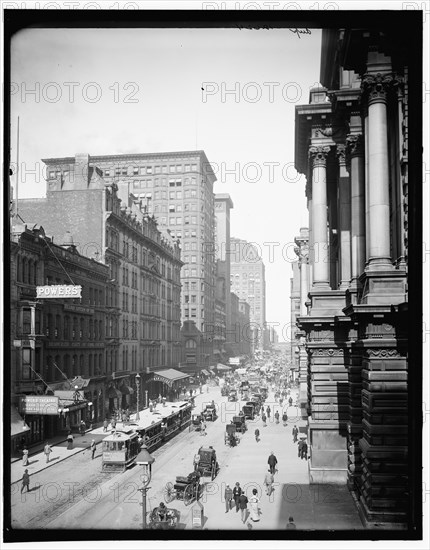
[[59, 291]]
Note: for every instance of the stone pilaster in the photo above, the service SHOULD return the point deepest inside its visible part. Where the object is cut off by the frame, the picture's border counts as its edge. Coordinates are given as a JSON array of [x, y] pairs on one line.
[[344, 219]]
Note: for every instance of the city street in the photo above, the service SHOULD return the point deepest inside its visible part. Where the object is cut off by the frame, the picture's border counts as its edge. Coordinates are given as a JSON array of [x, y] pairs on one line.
[[74, 494]]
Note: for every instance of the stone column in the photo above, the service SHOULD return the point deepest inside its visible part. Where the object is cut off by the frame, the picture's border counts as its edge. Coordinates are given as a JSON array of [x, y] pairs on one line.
[[358, 248], [344, 219], [366, 183], [318, 157], [375, 87]]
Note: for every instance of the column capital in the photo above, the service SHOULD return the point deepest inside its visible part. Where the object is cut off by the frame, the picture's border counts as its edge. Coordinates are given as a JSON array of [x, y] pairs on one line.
[[341, 154], [318, 154], [355, 145], [376, 86]]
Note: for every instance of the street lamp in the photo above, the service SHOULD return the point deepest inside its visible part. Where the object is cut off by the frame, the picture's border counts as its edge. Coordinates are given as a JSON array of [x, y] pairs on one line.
[[146, 460], [138, 393]]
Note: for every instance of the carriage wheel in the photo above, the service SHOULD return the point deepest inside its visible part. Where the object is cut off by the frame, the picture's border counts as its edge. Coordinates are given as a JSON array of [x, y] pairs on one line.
[[169, 492], [188, 494]]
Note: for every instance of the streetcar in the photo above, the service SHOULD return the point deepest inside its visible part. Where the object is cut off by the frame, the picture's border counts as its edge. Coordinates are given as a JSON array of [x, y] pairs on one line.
[[153, 428], [119, 449]]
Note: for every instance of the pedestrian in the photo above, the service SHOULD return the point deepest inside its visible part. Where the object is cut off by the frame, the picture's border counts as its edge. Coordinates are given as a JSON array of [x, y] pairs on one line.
[[159, 398], [196, 462], [254, 506], [277, 417], [82, 427], [25, 456], [47, 450], [69, 441], [243, 505], [299, 448], [304, 450], [290, 401], [264, 418], [272, 461], [113, 423], [291, 524], [285, 418], [25, 481], [202, 428], [268, 482], [268, 412], [237, 491], [105, 424], [93, 449], [295, 433], [228, 495], [207, 388], [257, 435]]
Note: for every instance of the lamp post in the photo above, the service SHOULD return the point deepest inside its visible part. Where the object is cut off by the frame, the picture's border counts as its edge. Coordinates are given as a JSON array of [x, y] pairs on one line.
[[146, 460], [137, 396]]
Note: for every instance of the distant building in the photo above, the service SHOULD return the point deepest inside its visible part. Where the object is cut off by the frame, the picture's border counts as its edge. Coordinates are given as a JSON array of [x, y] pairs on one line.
[[248, 282]]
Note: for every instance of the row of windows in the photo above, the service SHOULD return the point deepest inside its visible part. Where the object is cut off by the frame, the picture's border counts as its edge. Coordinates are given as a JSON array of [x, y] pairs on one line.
[[142, 170]]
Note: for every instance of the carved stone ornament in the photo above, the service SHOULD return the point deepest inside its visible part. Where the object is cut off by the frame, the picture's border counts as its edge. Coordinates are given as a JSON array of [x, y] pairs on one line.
[[375, 87], [355, 145], [341, 154], [318, 155], [383, 353], [328, 352]]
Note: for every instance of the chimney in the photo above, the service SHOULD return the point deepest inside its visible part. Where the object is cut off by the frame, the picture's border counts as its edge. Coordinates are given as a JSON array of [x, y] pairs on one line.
[[81, 170]]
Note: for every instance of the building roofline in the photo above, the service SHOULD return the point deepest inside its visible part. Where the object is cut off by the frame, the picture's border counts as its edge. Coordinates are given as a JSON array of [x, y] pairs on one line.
[[130, 156]]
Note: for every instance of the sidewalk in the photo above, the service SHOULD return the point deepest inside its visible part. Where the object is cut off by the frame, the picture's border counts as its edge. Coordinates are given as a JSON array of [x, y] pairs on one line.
[[37, 459]]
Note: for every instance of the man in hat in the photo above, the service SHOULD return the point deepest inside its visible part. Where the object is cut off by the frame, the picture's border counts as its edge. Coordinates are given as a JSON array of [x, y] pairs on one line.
[[228, 495]]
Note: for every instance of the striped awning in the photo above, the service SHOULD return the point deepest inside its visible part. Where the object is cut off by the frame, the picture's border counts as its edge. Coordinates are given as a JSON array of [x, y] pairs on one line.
[[17, 423], [205, 372]]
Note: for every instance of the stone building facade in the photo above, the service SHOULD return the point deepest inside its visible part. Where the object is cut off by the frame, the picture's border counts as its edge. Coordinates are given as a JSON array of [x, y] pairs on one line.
[[352, 144]]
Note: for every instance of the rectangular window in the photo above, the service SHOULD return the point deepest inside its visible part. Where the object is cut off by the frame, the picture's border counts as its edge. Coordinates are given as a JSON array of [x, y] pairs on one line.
[[178, 183], [193, 312], [124, 170], [52, 174], [142, 170], [172, 168], [179, 167], [179, 221], [179, 194], [135, 170], [172, 221], [164, 169], [187, 168], [107, 172], [171, 207], [193, 193], [193, 259], [193, 220], [194, 167], [158, 169], [149, 169]]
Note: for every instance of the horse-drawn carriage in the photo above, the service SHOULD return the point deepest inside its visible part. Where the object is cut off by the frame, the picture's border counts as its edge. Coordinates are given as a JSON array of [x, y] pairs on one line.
[[209, 413], [163, 518], [196, 420], [230, 437], [232, 395], [240, 423], [185, 488], [207, 464]]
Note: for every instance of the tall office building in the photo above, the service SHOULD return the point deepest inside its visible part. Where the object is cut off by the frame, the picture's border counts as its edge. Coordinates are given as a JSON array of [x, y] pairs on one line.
[[249, 283], [177, 188]]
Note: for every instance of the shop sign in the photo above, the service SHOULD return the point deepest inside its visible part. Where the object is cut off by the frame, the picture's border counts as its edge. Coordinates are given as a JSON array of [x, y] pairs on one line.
[[39, 404], [59, 291]]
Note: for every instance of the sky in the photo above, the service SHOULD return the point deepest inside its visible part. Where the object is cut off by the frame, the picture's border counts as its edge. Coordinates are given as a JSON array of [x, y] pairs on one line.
[[230, 92]]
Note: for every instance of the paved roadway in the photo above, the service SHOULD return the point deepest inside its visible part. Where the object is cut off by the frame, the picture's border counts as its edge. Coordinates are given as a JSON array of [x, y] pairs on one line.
[[74, 494]]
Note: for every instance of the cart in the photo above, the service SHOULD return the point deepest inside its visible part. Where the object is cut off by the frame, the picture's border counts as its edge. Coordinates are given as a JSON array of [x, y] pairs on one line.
[[210, 413], [196, 420], [185, 488], [230, 436], [239, 422], [168, 520], [207, 465], [232, 396]]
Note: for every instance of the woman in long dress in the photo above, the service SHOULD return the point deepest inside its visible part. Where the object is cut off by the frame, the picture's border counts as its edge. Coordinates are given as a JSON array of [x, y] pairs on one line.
[[25, 456], [253, 503]]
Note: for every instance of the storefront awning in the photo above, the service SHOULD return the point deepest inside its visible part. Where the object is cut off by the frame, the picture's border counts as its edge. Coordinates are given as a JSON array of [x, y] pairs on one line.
[[220, 366], [127, 390], [205, 372], [113, 393], [72, 400], [17, 423], [168, 376]]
